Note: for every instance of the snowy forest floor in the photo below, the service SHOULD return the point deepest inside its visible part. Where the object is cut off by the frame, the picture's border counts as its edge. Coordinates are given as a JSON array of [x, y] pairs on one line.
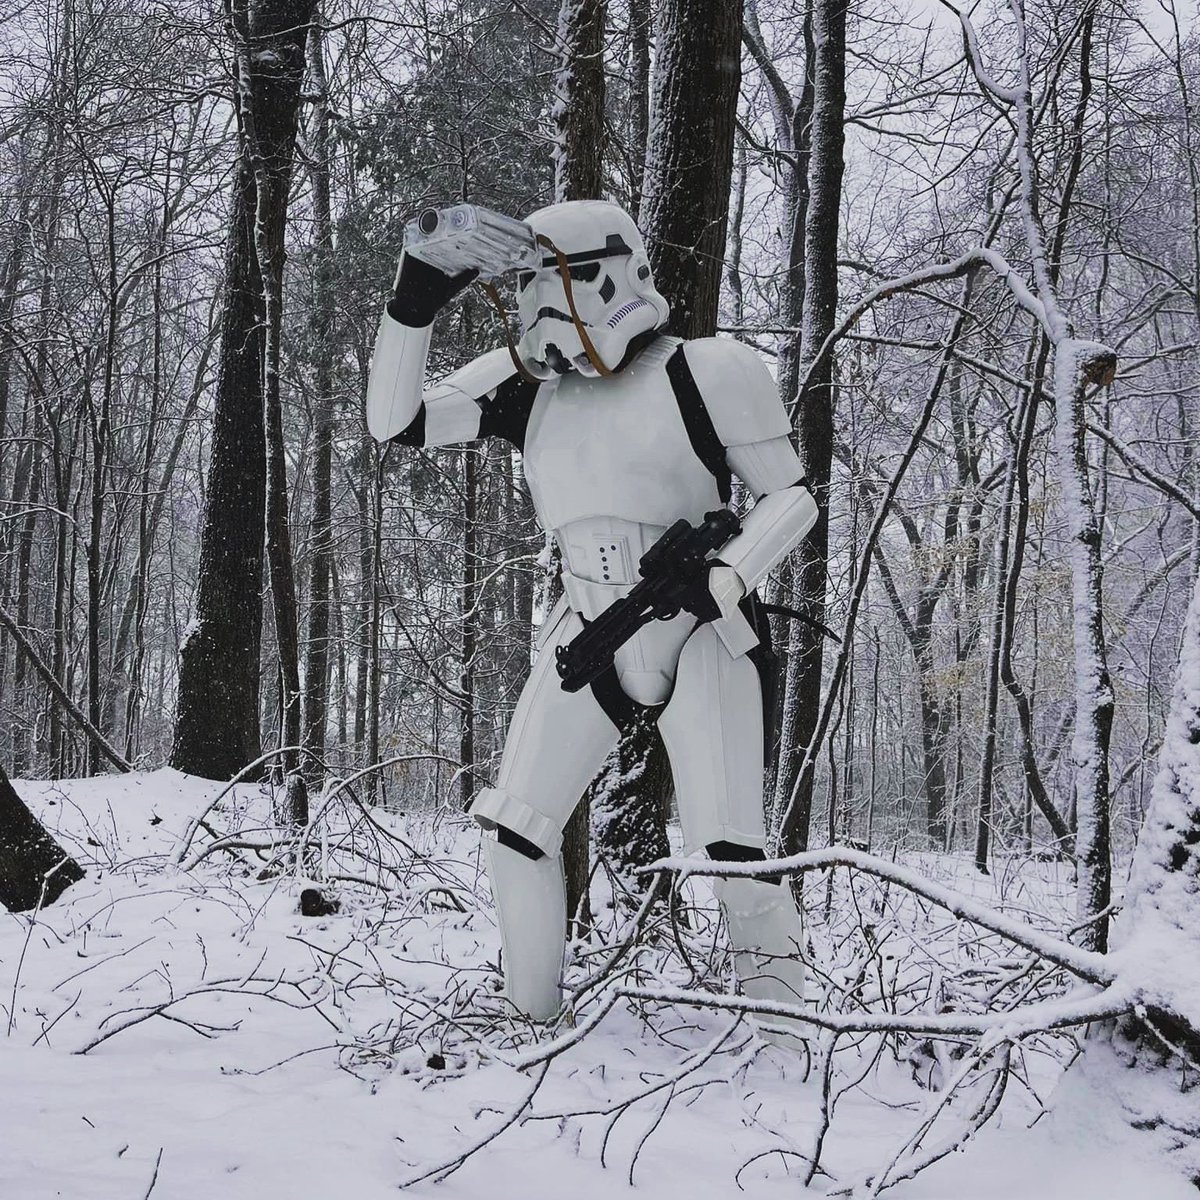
[[236, 1048]]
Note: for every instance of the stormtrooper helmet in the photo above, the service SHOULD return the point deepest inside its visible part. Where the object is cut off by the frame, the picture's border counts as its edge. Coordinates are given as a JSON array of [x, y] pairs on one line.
[[611, 286]]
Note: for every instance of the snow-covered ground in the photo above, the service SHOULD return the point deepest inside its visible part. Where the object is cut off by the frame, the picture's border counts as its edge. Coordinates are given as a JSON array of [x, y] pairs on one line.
[[187, 1034]]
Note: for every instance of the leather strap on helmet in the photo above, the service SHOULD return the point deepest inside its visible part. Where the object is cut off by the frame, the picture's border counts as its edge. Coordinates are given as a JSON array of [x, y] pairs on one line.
[[489, 290], [564, 270]]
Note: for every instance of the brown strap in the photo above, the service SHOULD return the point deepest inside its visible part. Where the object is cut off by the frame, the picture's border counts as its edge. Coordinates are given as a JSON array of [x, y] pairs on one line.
[[565, 271], [489, 290]]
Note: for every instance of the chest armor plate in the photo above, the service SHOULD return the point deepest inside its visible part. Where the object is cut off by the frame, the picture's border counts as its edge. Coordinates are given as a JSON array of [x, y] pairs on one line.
[[615, 447]]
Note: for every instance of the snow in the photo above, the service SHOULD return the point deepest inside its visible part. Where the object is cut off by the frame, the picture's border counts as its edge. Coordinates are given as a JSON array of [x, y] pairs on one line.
[[315, 1072], [1163, 913]]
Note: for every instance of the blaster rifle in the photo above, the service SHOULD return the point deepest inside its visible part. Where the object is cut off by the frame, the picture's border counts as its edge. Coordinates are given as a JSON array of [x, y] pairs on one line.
[[674, 577]]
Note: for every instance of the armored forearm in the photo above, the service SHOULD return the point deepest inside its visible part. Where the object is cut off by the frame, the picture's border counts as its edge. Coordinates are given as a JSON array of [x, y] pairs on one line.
[[402, 344], [785, 511], [397, 376], [772, 527]]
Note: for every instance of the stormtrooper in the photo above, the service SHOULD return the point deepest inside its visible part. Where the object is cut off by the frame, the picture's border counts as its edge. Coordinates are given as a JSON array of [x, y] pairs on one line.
[[623, 431]]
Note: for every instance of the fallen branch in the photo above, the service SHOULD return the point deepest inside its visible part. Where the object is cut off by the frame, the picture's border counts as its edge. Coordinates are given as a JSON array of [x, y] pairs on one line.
[[1042, 1017], [56, 689], [1095, 968]]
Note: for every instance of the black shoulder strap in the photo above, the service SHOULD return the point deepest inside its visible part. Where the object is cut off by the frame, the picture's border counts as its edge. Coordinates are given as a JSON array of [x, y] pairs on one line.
[[506, 413], [696, 420]]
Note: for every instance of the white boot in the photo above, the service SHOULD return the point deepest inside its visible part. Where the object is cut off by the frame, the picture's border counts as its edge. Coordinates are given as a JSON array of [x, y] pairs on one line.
[[531, 910], [766, 934]]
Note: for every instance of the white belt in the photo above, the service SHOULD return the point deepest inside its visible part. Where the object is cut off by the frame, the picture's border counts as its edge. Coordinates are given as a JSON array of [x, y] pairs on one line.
[[590, 598]]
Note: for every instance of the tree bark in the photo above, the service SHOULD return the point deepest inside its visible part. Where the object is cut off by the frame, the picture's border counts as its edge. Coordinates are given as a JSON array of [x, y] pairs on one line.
[[23, 733], [268, 97], [216, 723], [635, 778], [1158, 927], [689, 162], [579, 95], [34, 868], [1076, 365], [469, 618], [814, 416], [685, 214], [579, 175], [641, 22], [316, 664]]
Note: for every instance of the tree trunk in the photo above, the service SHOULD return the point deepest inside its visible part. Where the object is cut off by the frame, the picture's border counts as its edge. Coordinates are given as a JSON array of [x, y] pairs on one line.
[[1076, 364], [34, 868], [814, 416], [366, 586], [62, 589], [23, 733], [1159, 927], [9, 281], [641, 22], [632, 780], [689, 162], [685, 213], [579, 94], [268, 99], [216, 723], [139, 593], [933, 749], [469, 618], [316, 665]]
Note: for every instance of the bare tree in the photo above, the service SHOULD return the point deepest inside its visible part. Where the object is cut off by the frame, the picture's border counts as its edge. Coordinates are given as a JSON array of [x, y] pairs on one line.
[[217, 719], [316, 665], [689, 161], [814, 413], [579, 175]]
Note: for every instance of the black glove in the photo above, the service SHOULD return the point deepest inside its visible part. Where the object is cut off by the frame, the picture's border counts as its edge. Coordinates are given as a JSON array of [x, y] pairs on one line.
[[698, 600], [422, 290]]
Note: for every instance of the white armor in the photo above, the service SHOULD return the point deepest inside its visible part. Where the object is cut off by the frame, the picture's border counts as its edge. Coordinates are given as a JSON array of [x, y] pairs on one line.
[[611, 462]]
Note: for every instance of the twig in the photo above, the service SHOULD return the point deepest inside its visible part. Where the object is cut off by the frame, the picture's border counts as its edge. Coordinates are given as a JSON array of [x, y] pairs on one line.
[[32, 920], [447, 1168], [154, 1177]]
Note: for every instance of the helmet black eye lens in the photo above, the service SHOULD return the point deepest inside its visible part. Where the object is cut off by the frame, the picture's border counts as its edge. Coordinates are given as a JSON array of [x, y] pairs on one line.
[[585, 272]]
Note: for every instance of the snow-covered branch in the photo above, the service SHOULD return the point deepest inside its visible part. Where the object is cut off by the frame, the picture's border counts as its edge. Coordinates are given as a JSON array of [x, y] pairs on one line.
[[1093, 967]]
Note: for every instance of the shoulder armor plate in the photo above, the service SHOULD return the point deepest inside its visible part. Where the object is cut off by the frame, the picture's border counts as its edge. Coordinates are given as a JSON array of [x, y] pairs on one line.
[[741, 396]]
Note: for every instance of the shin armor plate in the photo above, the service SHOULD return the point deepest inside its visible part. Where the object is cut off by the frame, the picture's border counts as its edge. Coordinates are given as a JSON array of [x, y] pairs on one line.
[[531, 910], [766, 934]]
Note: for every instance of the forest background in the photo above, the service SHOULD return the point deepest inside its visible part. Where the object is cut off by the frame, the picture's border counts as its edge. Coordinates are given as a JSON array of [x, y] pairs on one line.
[[204, 558], [968, 246]]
